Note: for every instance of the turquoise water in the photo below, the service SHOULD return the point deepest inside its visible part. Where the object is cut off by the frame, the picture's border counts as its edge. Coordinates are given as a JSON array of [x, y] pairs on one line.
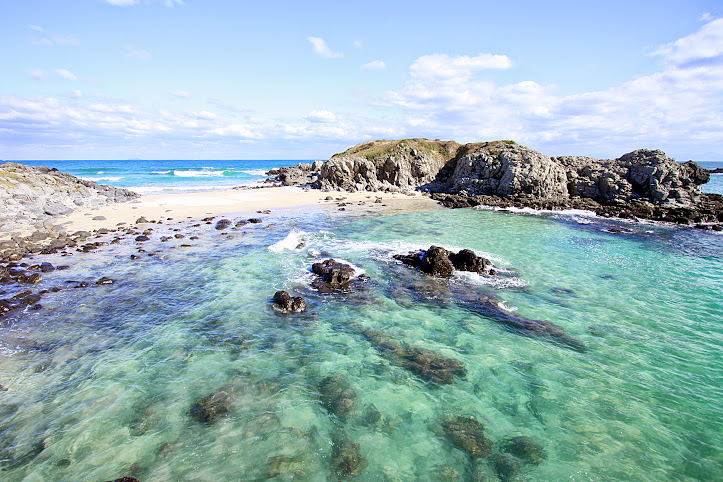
[[168, 176], [101, 381]]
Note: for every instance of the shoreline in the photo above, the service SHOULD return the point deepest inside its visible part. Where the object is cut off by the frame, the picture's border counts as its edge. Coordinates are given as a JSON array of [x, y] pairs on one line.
[[193, 205]]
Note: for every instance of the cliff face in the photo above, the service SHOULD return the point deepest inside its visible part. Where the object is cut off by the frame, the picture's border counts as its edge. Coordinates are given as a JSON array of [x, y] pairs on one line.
[[34, 196], [386, 165]]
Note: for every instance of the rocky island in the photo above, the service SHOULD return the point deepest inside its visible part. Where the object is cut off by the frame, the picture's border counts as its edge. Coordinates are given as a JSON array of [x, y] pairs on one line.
[[643, 184]]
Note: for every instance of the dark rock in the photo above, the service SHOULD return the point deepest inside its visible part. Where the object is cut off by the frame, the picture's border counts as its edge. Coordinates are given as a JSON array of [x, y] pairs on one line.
[[142, 237], [105, 281], [505, 466], [426, 364], [286, 304], [337, 396], [99, 218], [30, 299], [333, 273], [223, 224], [525, 449], [141, 220], [491, 309], [436, 262], [255, 221], [467, 434], [46, 267], [209, 409], [34, 278], [467, 260], [125, 479]]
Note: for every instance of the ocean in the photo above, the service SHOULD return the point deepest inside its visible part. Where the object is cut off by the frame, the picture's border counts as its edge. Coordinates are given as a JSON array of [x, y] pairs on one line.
[[169, 176], [106, 381]]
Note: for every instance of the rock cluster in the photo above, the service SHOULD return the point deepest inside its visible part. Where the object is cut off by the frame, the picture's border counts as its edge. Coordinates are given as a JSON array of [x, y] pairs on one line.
[[438, 261]]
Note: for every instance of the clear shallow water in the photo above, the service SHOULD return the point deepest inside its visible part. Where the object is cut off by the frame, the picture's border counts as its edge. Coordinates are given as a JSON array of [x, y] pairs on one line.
[[103, 378], [168, 176]]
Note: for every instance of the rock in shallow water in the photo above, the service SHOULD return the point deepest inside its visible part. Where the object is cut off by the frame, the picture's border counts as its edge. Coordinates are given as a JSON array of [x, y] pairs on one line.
[[285, 303], [337, 396], [525, 449], [212, 407], [426, 364], [467, 434]]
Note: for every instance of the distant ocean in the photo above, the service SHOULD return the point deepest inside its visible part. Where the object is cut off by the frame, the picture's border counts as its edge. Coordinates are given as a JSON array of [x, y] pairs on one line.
[[167, 176]]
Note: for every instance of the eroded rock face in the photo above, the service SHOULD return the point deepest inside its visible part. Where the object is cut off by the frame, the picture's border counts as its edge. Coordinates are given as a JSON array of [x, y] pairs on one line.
[[386, 165], [468, 435], [33, 196]]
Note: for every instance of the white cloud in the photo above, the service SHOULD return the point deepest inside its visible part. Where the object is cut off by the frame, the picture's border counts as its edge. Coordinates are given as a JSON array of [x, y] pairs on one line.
[[66, 74], [173, 3], [37, 28], [321, 116], [181, 94], [133, 53], [50, 39], [704, 46], [375, 65], [320, 48], [37, 74], [444, 66], [678, 108], [358, 44]]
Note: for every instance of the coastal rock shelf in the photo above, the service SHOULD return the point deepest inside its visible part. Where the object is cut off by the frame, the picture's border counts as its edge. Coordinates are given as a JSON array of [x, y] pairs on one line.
[[642, 184], [32, 198]]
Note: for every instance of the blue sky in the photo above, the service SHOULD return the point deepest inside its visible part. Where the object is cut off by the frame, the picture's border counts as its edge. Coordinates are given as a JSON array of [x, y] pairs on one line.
[[209, 79]]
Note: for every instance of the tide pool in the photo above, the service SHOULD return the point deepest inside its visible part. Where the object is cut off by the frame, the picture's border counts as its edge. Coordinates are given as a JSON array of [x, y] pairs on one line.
[[101, 383]]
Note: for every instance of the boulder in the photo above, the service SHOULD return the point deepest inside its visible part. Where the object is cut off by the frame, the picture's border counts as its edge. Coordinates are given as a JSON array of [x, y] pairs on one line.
[[524, 449], [285, 303]]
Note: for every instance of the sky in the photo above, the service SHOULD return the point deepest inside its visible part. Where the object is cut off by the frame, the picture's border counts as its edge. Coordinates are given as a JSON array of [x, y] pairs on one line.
[[211, 79]]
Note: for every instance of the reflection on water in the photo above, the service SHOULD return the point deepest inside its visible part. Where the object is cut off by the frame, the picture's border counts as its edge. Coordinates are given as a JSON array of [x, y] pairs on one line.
[[182, 371]]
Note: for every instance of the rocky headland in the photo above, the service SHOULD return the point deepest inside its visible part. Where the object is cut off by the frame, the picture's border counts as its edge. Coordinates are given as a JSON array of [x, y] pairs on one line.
[[33, 198], [643, 184]]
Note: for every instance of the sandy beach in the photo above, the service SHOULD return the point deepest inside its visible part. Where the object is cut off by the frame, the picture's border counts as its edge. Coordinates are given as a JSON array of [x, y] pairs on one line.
[[179, 206]]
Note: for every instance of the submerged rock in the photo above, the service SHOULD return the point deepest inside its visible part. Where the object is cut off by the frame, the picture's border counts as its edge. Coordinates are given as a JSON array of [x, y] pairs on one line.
[[505, 466], [525, 449], [426, 364], [210, 408], [467, 434], [337, 396], [285, 303], [346, 459]]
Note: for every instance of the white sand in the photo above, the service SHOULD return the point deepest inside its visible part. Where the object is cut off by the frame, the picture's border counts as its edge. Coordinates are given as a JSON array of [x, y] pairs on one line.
[[213, 203]]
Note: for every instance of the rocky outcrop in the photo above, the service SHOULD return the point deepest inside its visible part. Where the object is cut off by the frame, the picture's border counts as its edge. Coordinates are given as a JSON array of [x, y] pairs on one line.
[[438, 261], [301, 174], [640, 184], [386, 165], [32, 198]]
